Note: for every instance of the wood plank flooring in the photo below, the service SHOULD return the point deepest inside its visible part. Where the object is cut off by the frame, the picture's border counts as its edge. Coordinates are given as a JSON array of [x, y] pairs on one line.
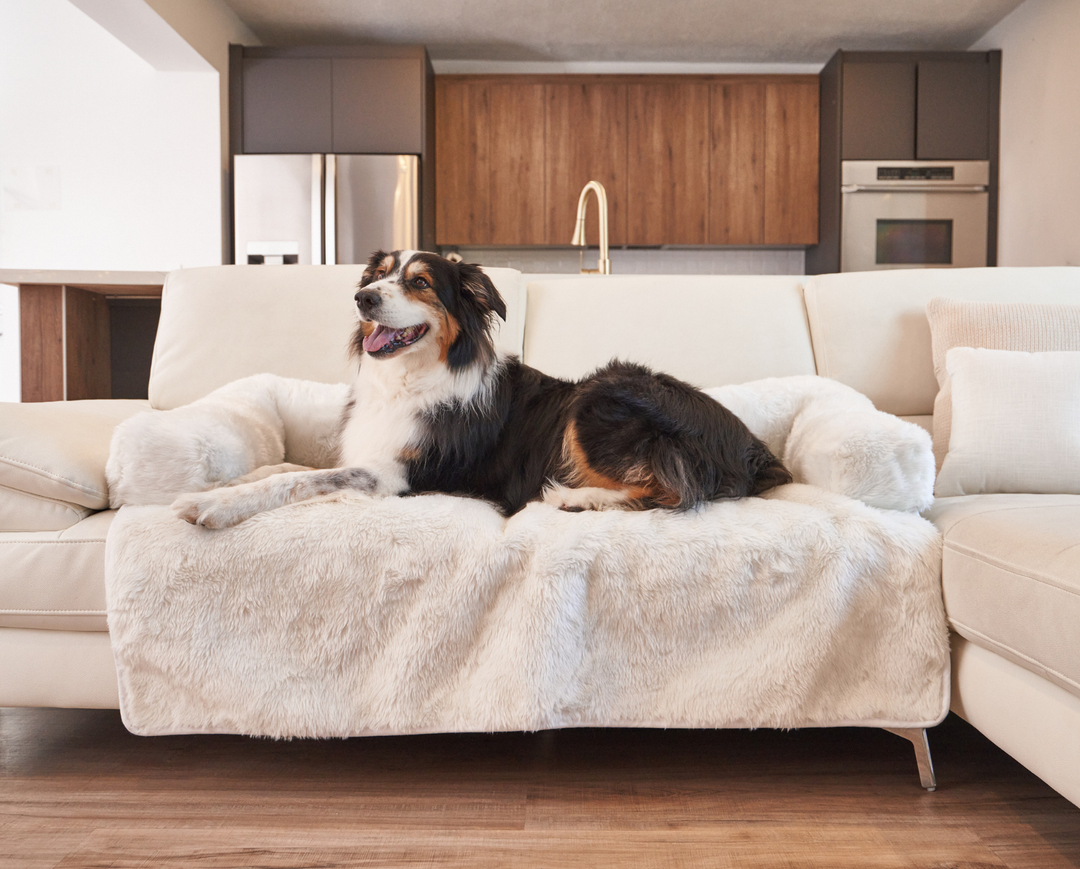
[[77, 790]]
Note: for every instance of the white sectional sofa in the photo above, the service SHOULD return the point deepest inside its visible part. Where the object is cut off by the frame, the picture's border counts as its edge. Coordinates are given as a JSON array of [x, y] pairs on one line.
[[1011, 572]]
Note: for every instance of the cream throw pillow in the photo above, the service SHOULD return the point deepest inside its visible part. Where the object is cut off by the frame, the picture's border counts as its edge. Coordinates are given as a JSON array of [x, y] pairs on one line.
[[1015, 423], [994, 326]]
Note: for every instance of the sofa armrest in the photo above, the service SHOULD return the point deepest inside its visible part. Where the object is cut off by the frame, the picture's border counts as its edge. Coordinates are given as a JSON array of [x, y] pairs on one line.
[[52, 460]]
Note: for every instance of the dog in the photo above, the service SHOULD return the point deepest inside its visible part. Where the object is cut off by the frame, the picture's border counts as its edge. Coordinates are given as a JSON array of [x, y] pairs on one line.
[[434, 408]]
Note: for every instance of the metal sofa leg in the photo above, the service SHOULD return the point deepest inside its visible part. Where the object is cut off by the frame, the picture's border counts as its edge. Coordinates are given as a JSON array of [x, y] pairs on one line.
[[917, 737]]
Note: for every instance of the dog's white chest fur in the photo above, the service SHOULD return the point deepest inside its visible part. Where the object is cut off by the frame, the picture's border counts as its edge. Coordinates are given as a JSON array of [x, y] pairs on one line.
[[386, 421]]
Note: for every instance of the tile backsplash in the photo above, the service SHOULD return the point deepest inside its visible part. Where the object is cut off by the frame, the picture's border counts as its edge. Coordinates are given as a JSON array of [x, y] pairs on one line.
[[642, 261]]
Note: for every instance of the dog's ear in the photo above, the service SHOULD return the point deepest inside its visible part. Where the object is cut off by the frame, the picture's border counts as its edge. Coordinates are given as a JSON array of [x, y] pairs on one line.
[[374, 261], [479, 287]]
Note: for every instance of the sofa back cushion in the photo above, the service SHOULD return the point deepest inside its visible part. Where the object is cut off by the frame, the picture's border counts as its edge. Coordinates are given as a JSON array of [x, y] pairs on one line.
[[871, 330], [710, 330], [221, 323]]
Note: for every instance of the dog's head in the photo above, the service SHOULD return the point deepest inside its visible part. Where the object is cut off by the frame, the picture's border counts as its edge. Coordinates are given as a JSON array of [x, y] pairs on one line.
[[409, 301]]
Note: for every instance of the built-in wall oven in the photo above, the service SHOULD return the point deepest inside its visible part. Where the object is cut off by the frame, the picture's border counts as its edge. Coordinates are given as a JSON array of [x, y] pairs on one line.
[[913, 214]]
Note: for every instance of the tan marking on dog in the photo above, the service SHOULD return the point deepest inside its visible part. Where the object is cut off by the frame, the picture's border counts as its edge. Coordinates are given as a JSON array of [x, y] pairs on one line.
[[367, 327], [583, 475], [448, 334]]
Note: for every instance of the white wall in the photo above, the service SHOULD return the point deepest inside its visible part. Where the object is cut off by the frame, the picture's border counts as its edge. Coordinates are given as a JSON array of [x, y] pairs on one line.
[[1039, 221], [105, 163]]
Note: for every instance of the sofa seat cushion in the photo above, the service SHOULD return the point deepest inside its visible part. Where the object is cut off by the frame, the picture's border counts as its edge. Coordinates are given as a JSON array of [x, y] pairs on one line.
[[55, 580], [52, 460], [1011, 578]]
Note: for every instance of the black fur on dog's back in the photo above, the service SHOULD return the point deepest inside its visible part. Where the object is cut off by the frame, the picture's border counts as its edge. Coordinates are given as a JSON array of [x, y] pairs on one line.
[[689, 448]]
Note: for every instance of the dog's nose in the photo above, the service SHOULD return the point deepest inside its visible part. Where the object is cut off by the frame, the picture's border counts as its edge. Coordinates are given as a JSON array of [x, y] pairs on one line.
[[368, 301]]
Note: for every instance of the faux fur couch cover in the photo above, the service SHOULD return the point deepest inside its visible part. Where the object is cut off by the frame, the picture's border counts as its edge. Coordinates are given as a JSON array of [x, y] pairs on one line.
[[354, 615]]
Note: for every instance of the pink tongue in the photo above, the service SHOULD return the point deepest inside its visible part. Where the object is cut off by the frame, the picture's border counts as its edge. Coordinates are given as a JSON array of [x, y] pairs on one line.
[[379, 338]]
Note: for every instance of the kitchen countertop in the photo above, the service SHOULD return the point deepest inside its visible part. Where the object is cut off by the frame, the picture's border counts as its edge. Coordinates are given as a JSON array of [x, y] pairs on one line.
[[75, 278]]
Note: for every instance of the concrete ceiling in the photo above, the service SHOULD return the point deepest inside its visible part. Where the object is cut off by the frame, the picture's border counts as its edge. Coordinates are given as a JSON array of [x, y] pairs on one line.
[[644, 31]]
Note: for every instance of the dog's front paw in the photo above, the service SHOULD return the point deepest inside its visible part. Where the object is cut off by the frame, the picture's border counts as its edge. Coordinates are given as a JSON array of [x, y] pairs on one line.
[[214, 509]]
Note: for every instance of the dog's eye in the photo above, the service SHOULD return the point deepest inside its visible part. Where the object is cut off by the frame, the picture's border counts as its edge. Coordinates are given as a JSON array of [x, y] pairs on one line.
[[379, 274], [421, 283]]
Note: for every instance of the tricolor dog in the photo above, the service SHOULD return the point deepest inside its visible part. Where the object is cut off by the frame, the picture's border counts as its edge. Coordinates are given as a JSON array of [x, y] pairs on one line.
[[434, 408]]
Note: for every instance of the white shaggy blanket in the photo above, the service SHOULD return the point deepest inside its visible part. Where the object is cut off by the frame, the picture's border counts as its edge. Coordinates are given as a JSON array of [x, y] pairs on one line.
[[353, 615]]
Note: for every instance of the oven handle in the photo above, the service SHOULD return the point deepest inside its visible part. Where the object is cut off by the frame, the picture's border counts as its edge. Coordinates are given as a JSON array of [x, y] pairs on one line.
[[912, 188]]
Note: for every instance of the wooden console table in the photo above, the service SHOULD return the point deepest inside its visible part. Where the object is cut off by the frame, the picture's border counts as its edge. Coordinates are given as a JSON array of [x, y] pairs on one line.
[[64, 328]]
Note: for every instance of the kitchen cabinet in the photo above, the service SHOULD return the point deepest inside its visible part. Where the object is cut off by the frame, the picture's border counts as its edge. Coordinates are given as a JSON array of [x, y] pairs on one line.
[[791, 163], [952, 118], [879, 111], [763, 163], [906, 106], [287, 105], [462, 172], [299, 104], [685, 160], [586, 140], [516, 162], [668, 163], [377, 105], [737, 164]]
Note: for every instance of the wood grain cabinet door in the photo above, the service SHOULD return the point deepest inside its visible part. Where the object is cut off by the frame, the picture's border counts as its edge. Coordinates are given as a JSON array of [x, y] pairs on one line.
[[516, 158], [737, 163], [489, 165], [586, 141], [462, 171], [791, 163], [668, 163]]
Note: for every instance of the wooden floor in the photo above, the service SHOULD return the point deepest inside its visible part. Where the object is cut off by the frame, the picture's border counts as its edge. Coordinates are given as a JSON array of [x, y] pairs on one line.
[[77, 790]]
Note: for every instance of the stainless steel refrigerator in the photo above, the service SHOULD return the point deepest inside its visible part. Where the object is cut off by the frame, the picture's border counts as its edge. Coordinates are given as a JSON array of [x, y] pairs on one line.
[[323, 208]]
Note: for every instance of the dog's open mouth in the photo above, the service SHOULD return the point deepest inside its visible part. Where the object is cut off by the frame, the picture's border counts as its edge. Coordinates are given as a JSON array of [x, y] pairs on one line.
[[384, 340]]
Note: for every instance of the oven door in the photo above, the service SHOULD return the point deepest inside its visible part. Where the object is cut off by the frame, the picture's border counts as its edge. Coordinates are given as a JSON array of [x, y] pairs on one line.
[[913, 225]]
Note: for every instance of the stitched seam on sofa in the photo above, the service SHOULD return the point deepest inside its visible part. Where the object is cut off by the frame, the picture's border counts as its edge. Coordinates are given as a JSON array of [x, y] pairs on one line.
[[27, 466], [1016, 652], [1010, 568], [78, 509], [1011, 508], [52, 612]]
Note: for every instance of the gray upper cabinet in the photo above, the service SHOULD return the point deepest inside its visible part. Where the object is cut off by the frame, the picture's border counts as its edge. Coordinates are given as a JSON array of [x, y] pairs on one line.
[[287, 105], [953, 116], [378, 106], [879, 111], [331, 99], [909, 108]]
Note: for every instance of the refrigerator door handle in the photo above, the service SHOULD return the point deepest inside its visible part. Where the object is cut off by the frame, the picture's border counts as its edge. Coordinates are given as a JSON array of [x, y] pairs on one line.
[[316, 209], [330, 224]]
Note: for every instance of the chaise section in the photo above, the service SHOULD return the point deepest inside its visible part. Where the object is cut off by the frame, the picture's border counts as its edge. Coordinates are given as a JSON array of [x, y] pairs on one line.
[[1011, 578]]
